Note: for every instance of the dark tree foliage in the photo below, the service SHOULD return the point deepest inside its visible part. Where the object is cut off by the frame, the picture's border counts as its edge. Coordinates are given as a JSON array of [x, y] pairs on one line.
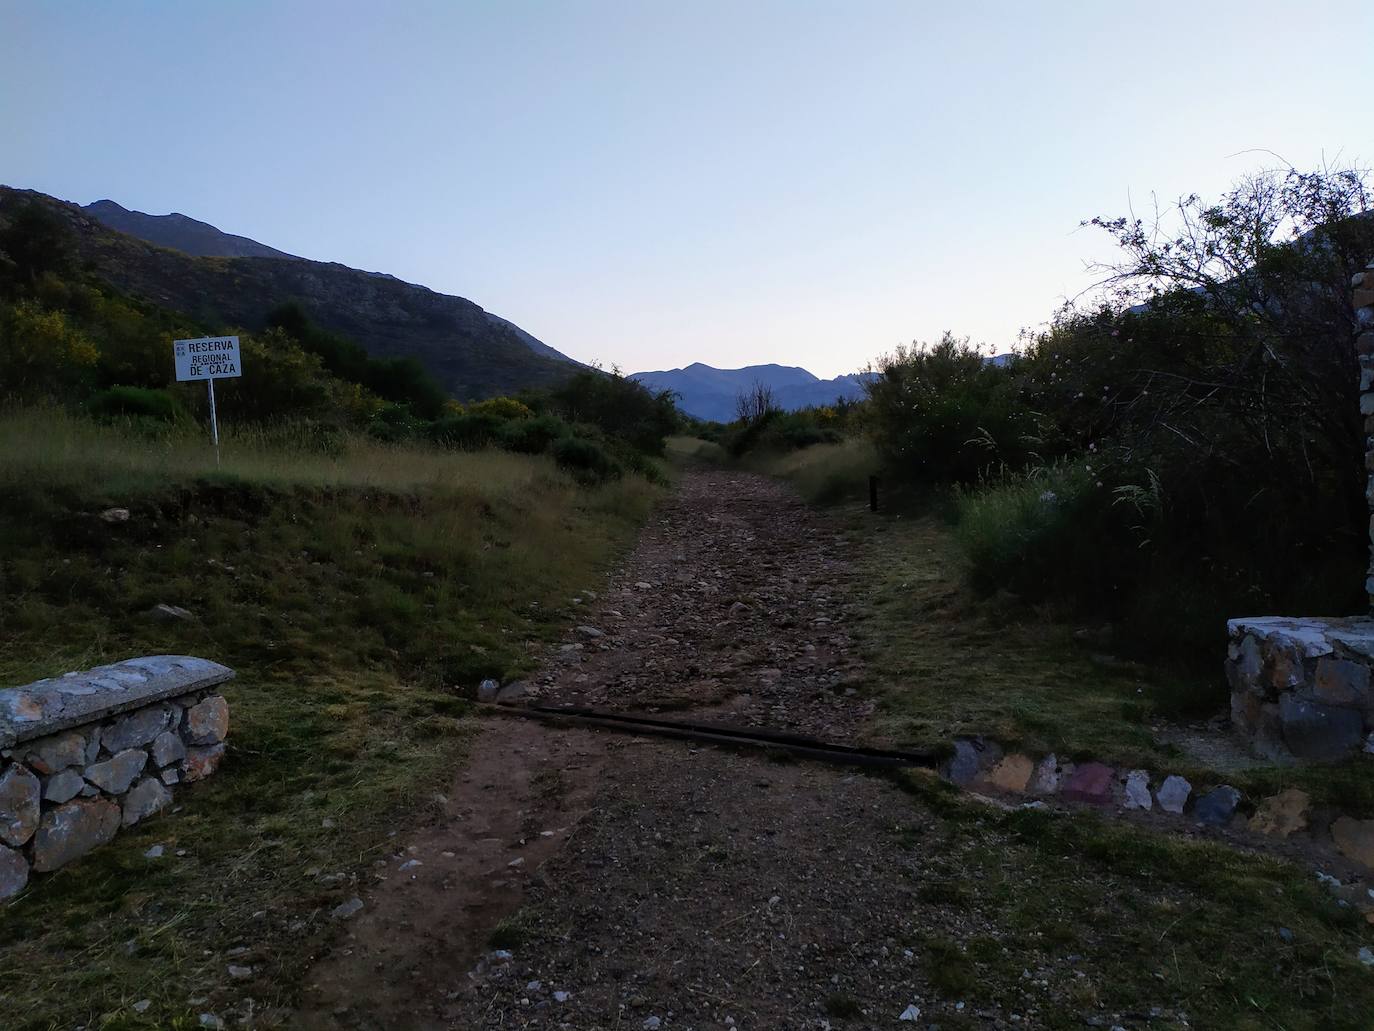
[[619, 407], [36, 243], [943, 413], [400, 380]]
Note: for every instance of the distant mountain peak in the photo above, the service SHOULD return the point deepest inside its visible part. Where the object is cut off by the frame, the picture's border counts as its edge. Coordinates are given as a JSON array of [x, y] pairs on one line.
[[472, 352], [710, 393], [180, 233]]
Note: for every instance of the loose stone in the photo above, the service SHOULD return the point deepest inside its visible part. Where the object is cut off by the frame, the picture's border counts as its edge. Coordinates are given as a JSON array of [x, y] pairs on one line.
[[1282, 815], [971, 757], [1047, 776], [1091, 782], [1138, 790], [347, 910], [515, 691], [1355, 839], [1173, 794], [1011, 773], [1217, 806]]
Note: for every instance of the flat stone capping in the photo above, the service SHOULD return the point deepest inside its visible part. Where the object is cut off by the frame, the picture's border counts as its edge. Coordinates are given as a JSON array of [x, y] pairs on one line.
[[85, 754], [59, 703], [1302, 689]]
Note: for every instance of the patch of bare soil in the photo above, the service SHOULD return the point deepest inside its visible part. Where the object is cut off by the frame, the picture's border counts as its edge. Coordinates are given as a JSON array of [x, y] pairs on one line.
[[434, 901]]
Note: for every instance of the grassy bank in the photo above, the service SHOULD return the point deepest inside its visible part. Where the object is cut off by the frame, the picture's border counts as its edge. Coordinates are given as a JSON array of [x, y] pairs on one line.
[[1079, 921], [947, 662], [824, 474], [360, 595]]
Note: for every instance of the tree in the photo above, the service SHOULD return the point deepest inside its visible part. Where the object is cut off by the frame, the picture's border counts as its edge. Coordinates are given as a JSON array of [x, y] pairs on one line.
[[755, 404], [37, 242]]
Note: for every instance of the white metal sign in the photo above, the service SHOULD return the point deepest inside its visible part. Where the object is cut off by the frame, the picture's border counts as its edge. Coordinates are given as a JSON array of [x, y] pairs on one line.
[[207, 358]]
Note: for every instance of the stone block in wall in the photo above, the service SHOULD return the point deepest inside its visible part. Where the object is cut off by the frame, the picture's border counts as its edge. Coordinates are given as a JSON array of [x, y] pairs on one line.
[[115, 774], [71, 830], [21, 800], [87, 753], [207, 722], [1301, 688]]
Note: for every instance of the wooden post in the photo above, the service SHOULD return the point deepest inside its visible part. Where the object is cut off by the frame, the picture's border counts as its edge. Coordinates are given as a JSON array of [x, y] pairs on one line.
[[873, 493]]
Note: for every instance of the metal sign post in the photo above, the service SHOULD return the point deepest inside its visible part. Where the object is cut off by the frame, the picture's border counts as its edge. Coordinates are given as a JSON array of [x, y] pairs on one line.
[[208, 358]]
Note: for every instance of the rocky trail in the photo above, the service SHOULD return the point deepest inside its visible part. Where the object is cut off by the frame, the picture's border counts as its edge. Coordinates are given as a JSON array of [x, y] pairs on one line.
[[585, 880], [578, 879]]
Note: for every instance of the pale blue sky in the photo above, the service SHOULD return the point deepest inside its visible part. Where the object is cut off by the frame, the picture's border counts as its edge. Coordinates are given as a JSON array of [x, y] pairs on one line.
[[655, 183]]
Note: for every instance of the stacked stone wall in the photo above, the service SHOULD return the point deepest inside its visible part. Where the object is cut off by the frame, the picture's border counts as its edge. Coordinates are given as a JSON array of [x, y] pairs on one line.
[[1363, 286], [84, 755], [1300, 688]]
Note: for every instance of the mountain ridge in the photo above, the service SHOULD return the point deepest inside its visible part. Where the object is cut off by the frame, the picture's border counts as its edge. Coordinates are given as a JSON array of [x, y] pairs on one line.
[[710, 393], [180, 232], [473, 353]]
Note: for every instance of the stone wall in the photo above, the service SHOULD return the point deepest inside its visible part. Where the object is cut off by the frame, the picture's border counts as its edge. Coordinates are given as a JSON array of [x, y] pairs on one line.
[[1300, 688], [1363, 286], [85, 754]]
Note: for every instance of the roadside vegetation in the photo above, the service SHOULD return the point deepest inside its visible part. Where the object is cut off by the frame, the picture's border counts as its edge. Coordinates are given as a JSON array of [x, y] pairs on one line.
[[363, 553], [360, 595], [1147, 929], [1064, 534], [1181, 447]]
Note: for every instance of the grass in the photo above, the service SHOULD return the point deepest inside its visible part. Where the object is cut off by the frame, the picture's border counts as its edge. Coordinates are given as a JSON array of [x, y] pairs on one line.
[[946, 664], [359, 595], [824, 474], [1122, 920]]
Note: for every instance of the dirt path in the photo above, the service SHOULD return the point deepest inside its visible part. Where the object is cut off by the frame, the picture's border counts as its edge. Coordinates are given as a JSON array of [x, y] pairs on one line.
[[646, 868], [586, 880]]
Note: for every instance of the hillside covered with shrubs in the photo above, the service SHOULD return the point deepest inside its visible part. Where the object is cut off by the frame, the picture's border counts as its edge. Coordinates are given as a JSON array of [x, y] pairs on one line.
[[67, 336]]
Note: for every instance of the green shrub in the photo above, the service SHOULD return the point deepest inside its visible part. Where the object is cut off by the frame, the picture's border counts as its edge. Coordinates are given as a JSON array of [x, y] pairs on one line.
[[586, 460], [618, 407], [501, 407], [944, 414], [467, 432], [137, 403], [532, 436], [1040, 533]]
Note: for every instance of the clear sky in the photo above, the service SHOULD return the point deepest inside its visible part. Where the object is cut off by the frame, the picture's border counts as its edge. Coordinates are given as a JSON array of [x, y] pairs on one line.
[[652, 183]]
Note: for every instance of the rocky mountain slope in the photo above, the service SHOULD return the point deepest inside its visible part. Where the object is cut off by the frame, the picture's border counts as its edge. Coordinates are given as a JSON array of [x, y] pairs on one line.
[[180, 232], [710, 393], [473, 353]]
